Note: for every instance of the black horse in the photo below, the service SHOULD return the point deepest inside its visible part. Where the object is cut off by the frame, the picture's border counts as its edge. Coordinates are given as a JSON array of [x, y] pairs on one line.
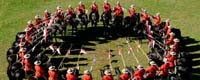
[[83, 20], [106, 18], [94, 18], [15, 71], [71, 21]]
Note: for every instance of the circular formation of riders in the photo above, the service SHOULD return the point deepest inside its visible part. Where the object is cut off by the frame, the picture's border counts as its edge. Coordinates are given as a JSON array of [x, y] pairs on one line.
[[27, 57]]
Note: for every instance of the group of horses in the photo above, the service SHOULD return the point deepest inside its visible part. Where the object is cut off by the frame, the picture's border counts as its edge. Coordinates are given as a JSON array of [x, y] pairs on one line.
[[40, 44]]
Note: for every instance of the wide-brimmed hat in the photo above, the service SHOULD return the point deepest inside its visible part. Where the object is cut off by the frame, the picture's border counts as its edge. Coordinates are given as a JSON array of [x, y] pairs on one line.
[[22, 50], [165, 60], [132, 6], [125, 70], [172, 34], [21, 35], [176, 40], [107, 72], [58, 7], [37, 62], [52, 68], [173, 53], [21, 44], [152, 63], [70, 70], [27, 56], [140, 67], [37, 16], [86, 72], [171, 46], [29, 22]]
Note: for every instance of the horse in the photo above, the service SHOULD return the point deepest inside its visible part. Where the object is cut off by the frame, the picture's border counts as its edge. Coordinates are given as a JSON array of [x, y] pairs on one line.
[[83, 20], [117, 21], [15, 71], [71, 21], [106, 23], [130, 23], [94, 18]]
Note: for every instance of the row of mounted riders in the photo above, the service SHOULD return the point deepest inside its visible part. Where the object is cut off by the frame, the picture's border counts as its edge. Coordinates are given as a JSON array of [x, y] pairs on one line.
[[27, 58]]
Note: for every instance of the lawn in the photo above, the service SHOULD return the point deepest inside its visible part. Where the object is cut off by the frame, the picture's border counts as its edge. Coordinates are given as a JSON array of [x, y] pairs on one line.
[[184, 14]]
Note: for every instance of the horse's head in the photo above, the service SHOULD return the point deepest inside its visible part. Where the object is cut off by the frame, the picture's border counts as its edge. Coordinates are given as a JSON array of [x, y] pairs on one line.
[[93, 16]]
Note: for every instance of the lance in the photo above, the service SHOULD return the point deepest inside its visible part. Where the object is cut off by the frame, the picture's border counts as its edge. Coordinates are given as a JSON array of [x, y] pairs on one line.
[[55, 52], [122, 57], [129, 46], [64, 57], [142, 50], [93, 63]]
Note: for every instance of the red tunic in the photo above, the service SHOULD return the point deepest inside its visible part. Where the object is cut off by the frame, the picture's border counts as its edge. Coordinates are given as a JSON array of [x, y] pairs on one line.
[[87, 77], [170, 40], [151, 70], [37, 23], [125, 77], [27, 65], [164, 69], [21, 55], [131, 12], [81, 9], [94, 8], [138, 75], [168, 32], [108, 77], [118, 10], [166, 27], [106, 7], [39, 72], [53, 75], [171, 60], [176, 46], [144, 16], [70, 12], [46, 17], [59, 15], [157, 20], [71, 77]]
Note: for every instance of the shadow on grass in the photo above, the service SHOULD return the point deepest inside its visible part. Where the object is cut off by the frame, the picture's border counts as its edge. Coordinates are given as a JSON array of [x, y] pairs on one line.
[[191, 47]]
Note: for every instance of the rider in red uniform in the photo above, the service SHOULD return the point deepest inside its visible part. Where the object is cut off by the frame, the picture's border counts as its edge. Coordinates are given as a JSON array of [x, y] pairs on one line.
[[106, 9], [46, 17], [145, 16], [118, 10], [80, 9], [87, 75], [59, 13], [30, 30], [166, 25], [170, 39], [131, 11], [176, 44], [125, 75], [27, 64], [139, 73], [70, 75], [157, 19], [39, 71], [38, 22], [70, 12], [53, 74], [163, 69], [151, 70], [94, 9], [108, 75], [171, 57]]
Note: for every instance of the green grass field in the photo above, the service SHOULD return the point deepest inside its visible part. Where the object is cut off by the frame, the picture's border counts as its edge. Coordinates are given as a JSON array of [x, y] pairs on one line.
[[184, 14]]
